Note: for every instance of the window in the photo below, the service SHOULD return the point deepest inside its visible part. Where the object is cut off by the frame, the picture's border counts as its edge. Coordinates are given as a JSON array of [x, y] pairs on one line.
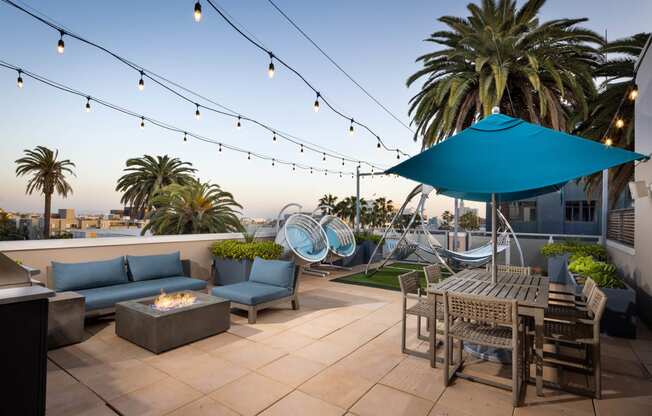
[[580, 211], [523, 211]]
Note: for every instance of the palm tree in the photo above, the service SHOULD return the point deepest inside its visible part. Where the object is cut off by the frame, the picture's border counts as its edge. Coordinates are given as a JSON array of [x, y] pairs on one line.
[[618, 73], [503, 56], [346, 209], [48, 175], [193, 208], [382, 209], [146, 175], [327, 203]]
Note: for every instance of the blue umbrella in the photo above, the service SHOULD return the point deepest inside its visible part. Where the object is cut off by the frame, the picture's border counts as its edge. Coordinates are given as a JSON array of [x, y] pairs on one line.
[[504, 158]]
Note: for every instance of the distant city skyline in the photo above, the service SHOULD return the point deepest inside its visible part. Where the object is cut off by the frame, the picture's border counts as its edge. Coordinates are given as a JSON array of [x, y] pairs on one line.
[[211, 58]]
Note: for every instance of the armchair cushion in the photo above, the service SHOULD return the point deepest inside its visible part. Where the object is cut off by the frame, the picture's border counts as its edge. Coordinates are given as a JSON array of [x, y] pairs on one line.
[[273, 272], [154, 266], [76, 276], [251, 293]]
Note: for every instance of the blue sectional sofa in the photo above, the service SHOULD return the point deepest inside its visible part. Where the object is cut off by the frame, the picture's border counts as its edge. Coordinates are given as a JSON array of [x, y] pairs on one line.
[[107, 282], [270, 282]]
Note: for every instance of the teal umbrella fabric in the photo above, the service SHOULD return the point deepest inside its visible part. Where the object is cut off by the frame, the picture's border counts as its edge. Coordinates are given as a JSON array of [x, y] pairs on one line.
[[509, 157]]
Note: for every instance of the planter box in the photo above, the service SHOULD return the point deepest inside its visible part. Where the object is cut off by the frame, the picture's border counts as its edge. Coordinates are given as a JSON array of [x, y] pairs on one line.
[[619, 319], [361, 255], [229, 271], [558, 269]]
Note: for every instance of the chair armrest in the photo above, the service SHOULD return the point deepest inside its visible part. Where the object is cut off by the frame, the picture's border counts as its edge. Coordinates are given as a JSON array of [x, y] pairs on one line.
[[412, 296]]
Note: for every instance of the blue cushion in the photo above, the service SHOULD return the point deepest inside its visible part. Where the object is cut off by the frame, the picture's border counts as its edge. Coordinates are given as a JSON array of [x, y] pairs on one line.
[[155, 266], [75, 276], [108, 296], [250, 293], [272, 272]]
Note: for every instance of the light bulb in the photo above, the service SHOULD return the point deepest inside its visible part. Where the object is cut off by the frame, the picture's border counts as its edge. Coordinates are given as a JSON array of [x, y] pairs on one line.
[[273, 160], [398, 155], [238, 124], [620, 123], [301, 148], [88, 104], [378, 144], [141, 82], [270, 68], [142, 122], [61, 45], [197, 113], [19, 80], [633, 93], [220, 149], [351, 131], [340, 174], [248, 156], [316, 105], [293, 168], [608, 141], [324, 157], [274, 137], [185, 136], [197, 12]]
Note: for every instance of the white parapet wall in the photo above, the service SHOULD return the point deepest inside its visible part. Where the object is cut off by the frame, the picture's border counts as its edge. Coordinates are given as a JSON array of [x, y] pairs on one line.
[[194, 247]]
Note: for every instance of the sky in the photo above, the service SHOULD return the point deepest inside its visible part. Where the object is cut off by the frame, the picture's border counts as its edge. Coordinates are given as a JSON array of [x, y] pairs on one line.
[[375, 41]]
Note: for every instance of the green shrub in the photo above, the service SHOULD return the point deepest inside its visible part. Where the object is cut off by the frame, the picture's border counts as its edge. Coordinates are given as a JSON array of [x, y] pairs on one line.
[[240, 250], [574, 248], [604, 274], [366, 236]]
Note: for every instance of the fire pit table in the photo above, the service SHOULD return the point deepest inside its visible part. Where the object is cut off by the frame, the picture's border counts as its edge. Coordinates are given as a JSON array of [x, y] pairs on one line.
[[164, 322]]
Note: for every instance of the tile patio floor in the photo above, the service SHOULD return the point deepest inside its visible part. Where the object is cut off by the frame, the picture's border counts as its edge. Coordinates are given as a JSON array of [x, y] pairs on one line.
[[340, 354]]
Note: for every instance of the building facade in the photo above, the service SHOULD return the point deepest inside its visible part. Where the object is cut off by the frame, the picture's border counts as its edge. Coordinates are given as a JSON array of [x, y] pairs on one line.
[[569, 211]]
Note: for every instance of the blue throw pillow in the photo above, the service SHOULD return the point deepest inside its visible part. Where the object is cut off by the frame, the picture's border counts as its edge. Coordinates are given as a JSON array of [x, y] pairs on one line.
[[78, 276], [154, 266], [273, 272]]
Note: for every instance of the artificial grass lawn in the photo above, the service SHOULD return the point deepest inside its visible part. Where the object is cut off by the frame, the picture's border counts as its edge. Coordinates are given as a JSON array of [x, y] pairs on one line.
[[387, 278]]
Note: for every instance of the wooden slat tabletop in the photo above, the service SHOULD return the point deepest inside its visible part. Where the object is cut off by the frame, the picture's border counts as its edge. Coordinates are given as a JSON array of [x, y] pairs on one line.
[[527, 290]]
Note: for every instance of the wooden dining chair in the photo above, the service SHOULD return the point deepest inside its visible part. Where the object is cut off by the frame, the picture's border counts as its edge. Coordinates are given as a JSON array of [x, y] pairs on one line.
[[424, 307], [508, 268], [487, 321], [575, 307], [433, 273], [583, 333]]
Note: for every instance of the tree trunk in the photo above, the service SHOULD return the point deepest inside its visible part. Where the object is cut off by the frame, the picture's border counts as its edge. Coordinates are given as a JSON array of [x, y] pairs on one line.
[[46, 216]]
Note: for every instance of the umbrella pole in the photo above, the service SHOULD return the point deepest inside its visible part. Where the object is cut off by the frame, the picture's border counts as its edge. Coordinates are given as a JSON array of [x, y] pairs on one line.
[[494, 239]]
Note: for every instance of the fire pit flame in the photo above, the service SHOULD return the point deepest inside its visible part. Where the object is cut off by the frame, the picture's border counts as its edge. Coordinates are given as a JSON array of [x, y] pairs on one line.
[[166, 302]]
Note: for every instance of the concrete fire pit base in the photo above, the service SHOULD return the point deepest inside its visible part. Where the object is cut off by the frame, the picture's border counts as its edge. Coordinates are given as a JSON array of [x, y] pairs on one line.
[[158, 331]]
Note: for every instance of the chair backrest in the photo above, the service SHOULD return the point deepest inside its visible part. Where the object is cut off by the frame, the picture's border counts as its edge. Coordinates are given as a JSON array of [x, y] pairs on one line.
[[409, 282], [433, 273], [508, 268], [589, 285], [480, 308], [596, 304]]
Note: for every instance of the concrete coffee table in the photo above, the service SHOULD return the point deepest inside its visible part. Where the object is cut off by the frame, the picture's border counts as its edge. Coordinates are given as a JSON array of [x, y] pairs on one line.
[[161, 330]]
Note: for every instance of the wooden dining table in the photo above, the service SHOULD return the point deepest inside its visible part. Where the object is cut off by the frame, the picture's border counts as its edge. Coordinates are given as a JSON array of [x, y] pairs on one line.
[[530, 292]]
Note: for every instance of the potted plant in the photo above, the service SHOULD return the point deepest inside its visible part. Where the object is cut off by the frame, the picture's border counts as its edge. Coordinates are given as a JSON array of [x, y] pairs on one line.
[[619, 318], [232, 259], [558, 254]]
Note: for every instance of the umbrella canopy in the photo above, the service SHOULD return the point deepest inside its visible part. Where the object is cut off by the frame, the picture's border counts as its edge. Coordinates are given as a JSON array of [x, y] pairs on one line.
[[510, 158]]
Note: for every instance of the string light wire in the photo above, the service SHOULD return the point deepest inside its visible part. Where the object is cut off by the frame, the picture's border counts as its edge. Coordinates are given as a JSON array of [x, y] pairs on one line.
[[163, 82], [161, 124]]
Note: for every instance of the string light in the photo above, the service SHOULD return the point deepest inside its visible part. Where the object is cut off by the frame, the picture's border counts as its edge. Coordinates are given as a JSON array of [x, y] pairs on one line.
[[273, 160], [238, 124], [398, 155], [323, 157], [197, 113], [274, 137], [19, 80], [351, 131], [141, 82], [608, 141], [378, 144], [325, 173], [270, 68], [311, 170], [160, 124], [301, 147], [340, 174], [342, 162], [316, 105], [633, 93], [172, 86], [61, 45], [197, 13], [620, 123]]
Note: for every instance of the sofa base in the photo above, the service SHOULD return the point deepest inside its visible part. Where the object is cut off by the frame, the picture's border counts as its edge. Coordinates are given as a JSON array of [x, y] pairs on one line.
[[252, 310]]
